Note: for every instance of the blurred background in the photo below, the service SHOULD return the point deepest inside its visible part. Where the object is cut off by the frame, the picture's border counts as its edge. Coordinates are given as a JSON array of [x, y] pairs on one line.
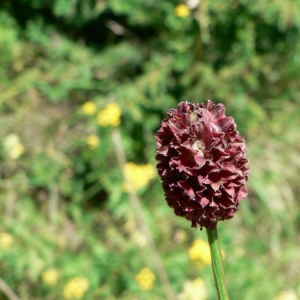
[[84, 85]]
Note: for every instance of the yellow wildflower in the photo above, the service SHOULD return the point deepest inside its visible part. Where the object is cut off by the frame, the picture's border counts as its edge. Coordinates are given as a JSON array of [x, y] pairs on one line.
[[200, 253], [139, 175], [50, 277], [13, 147], [110, 115], [89, 107], [93, 141], [194, 290], [287, 295], [6, 240], [182, 10], [76, 288], [145, 279]]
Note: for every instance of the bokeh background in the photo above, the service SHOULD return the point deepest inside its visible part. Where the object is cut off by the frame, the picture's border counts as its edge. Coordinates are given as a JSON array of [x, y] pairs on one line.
[[84, 85]]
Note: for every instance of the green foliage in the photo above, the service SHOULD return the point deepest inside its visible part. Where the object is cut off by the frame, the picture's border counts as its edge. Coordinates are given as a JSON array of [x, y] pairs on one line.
[[63, 201]]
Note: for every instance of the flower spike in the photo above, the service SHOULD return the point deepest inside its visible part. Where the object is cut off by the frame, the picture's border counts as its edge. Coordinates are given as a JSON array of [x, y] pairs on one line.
[[202, 163]]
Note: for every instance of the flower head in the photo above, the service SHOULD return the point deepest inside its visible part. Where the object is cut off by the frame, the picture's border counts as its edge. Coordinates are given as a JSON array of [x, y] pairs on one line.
[[202, 163], [200, 253], [182, 10], [145, 279], [93, 141], [76, 288], [139, 175], [50, 277], [89, 107], [110, 115]]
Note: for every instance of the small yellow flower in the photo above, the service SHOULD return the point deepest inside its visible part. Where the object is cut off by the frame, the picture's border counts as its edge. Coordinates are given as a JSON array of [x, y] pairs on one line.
[[13, 147], [194, 290], [110, 115], [76, 288], [200, 253], [89, 107], [50, 277], [145, 279], [93, 141], [182, 11], [6, 240], [139, 175]]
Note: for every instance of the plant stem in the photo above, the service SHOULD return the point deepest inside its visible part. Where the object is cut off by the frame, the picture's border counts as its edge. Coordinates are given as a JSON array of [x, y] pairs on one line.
[[217, 263], [136, 203], [7, 291]]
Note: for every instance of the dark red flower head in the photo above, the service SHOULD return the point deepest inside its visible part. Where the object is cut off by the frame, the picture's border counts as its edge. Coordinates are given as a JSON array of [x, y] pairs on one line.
[[202, 163]]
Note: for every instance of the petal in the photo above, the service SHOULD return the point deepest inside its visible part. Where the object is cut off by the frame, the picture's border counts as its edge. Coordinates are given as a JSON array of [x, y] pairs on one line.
[[243, 192], [200, 160], [207, 116], [219, 111], [204, 201], [187, 189], [226, 123], [215, 185], [163, 150]]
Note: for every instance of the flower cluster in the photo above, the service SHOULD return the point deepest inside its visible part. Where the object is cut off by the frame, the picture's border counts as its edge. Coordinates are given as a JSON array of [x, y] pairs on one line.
[[50, 277], [139, 175], [110, 115], [202, 163], [6, 240], [76, 288], [145, 279]]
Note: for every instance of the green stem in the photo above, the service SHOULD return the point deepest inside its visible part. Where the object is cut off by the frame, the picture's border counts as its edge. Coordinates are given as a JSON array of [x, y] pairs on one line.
[[217, 263]]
